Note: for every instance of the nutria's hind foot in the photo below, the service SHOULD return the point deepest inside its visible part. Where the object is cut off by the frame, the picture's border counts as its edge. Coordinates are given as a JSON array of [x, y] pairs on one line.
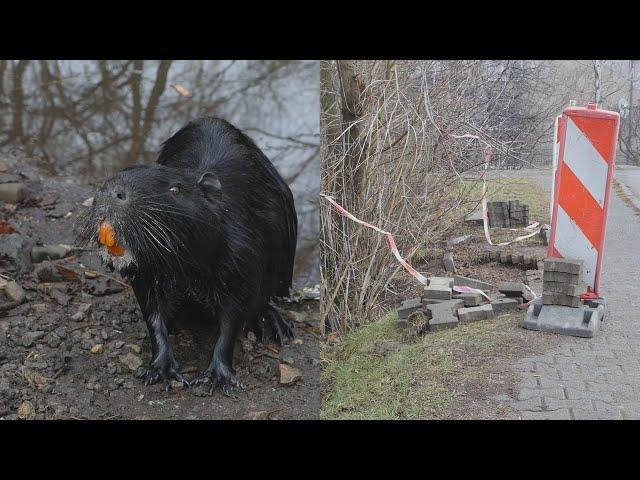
[[273, 326], [219, 376], [165, 369]]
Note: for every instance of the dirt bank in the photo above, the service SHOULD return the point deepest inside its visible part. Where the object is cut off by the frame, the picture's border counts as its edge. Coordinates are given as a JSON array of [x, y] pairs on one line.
[[72, 348]]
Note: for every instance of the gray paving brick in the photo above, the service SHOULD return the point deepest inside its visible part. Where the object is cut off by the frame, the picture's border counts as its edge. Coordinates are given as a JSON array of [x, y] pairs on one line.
[[552, 403], [529, 382], [562, 414], [590, 414], [532, 404], [529, 393]]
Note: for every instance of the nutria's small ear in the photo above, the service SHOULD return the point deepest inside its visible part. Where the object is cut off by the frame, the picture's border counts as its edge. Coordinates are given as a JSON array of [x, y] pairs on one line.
[[209, 181]]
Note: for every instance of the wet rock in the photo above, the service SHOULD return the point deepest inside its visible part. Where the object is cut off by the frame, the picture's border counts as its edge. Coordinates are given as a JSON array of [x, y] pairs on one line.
[[50, 252], [54, 341], [288, 375], [60, 297], [26, 411], [175, 384], [97, 349], [29, 338], [12, 192], [13, 290], [47, 272], [133, 362], [18, 248], [81, 314], [101, 286]]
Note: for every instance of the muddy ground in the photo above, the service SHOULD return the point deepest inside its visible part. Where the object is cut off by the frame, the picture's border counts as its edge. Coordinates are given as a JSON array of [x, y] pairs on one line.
[[61, 361]]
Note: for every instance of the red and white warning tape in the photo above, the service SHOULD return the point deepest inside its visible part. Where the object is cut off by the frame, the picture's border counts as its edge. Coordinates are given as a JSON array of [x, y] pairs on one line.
[[394, 248], [488, 152], [390, 240], [392, 243]]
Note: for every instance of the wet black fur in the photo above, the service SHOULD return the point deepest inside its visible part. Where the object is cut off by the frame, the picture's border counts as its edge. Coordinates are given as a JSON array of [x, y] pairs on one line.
[[226, 240]]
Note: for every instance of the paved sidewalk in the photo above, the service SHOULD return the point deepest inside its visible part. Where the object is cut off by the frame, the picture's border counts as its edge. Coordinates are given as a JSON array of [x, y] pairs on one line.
[[597, 378]]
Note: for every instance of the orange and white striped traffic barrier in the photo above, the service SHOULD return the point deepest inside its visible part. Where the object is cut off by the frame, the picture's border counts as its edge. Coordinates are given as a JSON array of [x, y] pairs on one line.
[[554, 168], [586, 165]]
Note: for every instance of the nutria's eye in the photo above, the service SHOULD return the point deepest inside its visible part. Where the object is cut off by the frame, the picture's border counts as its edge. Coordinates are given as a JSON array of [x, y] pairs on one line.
[[174, 189]]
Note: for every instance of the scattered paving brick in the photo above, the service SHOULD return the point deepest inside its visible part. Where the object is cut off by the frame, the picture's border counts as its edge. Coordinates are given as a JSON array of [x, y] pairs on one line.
[[512, 289], [408, 307], [447, 260], [443, 322], [470, 299], [461, 281], [440, 281], [458, 240], [474, 314], [475, 218], [443, 315], [437, 293], [505, 305]]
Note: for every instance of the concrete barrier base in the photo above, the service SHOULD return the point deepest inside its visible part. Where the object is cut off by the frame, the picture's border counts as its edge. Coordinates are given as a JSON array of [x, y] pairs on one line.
[[582, 321]]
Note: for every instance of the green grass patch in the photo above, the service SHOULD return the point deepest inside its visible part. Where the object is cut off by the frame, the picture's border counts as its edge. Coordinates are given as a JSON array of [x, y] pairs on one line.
[[412, 378], [512, 188], [620, 191]]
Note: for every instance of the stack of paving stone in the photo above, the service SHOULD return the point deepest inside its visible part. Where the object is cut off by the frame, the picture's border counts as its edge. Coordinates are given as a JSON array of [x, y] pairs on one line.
[[562, 282], [507, 214]]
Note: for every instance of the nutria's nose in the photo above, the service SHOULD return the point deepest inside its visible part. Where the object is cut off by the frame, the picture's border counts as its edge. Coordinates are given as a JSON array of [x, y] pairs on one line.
[[120, 194]]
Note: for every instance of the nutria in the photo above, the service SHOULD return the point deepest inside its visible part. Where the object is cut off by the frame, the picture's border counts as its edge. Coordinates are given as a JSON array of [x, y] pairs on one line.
[[211, 223]]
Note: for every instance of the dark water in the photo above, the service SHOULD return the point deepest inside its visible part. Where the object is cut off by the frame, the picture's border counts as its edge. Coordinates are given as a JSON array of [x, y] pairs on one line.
[[85, 120]]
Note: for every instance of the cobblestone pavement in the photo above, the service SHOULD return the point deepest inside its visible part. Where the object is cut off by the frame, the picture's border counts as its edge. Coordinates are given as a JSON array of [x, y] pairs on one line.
[[596, 378]]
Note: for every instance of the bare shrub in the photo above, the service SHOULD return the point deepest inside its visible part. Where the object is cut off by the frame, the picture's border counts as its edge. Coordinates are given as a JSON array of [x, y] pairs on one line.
[[387, 158]]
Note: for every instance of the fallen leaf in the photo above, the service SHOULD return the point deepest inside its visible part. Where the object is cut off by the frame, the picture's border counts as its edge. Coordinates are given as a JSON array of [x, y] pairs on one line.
[[67, 274], [6, 228]]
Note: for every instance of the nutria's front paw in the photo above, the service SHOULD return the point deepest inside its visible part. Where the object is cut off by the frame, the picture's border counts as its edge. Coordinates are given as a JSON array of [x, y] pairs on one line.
[[219, 376], [165, 369], [273, 327]]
